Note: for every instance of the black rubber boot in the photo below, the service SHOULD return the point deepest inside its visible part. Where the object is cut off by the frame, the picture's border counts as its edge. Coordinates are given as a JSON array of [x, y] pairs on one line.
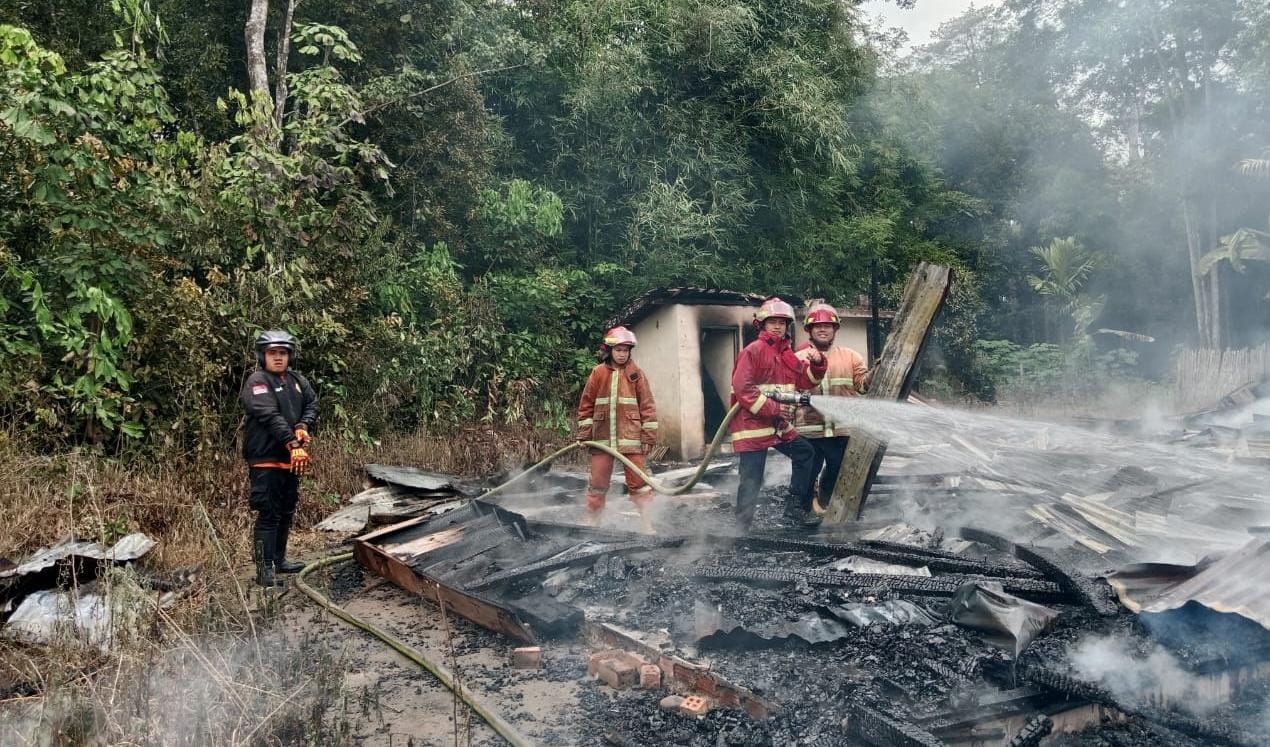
[[795, 514], [280, 562], [263, 548]]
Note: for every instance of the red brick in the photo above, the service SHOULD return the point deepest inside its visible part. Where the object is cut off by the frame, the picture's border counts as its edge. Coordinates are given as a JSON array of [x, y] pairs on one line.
[[527, 657], [695, 705], [593, 663], [649, 676], [618, 669], [618, 672]]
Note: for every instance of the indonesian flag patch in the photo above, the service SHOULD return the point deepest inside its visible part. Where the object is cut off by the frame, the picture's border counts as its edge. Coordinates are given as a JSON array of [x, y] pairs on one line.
[[258, 389]]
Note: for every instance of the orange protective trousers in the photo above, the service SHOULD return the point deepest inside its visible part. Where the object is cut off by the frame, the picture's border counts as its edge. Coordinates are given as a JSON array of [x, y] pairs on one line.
[[602, 478]]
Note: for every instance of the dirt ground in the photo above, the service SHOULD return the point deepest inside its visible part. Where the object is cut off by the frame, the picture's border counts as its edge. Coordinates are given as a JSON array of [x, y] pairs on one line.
[[398, 703]]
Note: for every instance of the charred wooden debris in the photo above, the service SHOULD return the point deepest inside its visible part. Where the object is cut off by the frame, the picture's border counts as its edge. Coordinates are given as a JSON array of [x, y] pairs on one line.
[[1047, 626]]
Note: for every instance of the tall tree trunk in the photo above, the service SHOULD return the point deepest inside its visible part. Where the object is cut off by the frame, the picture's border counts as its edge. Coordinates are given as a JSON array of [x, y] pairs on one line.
[[257, 72], [1211, 239], [280, 68], [1199, 284], [1217, 319]]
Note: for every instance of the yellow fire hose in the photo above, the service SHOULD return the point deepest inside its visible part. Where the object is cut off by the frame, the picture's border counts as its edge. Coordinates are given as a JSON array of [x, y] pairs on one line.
[[473, 701], [657, 486], [476, 703]]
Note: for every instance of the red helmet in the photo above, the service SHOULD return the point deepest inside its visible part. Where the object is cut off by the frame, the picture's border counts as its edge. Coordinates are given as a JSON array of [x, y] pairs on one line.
[[774, 308], [619, 336], [821, 313]]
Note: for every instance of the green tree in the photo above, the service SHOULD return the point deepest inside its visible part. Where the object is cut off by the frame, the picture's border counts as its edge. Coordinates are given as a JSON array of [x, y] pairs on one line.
[[1066, 266]]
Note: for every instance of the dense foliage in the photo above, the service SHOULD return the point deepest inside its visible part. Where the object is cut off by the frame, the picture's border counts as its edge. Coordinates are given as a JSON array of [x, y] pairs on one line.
[[444, 200]]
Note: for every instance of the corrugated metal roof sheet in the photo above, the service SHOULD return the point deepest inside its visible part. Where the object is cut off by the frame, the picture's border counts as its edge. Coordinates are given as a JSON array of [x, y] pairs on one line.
[[416, 479], [126, 548], [644, 304], [1238, 583]]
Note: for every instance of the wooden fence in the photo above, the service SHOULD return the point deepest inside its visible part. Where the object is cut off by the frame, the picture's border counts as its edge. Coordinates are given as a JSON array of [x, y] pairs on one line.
[[1205, 376]]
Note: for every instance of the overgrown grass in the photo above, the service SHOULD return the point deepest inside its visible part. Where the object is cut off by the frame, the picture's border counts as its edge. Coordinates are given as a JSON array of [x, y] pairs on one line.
[[220, 666]]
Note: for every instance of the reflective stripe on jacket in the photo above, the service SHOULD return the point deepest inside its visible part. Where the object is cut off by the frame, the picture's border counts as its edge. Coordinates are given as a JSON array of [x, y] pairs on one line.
[[762, 368], [846, 368], [617, 408]]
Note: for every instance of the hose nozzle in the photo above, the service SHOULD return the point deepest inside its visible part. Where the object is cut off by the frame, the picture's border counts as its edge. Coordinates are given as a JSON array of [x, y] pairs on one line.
[[792, 398]]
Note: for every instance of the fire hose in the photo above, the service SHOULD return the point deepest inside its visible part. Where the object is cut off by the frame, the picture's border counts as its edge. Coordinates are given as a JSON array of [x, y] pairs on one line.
[[789, 398], [477, 704], [657, 486], [473, 701]]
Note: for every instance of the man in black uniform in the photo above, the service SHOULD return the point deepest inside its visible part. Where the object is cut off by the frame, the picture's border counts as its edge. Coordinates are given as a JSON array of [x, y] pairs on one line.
[[281, 410]]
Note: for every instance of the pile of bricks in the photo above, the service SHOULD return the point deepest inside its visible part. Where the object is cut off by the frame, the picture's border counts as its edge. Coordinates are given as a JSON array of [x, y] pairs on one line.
[[685, 676], [622, 670]]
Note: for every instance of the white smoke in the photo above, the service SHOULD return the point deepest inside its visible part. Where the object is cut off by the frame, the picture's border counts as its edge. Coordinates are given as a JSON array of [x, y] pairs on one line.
[[1152, 678]]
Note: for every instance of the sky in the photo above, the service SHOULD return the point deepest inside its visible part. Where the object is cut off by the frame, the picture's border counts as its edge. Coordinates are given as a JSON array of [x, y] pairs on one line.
[[921, 21]]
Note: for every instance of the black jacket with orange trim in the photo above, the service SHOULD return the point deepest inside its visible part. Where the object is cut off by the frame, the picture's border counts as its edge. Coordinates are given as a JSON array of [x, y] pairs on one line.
[[275, 405]]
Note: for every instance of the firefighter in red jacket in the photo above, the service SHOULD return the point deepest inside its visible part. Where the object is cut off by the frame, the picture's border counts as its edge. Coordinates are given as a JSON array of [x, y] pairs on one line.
[[617, 409], [766, 381]]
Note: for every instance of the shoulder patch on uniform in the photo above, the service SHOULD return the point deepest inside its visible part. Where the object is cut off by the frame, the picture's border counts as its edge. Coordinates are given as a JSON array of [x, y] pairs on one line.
[[634, 376], [258, 389]]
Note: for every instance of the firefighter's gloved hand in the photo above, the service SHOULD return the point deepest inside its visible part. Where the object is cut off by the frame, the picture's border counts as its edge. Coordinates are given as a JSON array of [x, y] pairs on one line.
[[302, 436], [299, 458]]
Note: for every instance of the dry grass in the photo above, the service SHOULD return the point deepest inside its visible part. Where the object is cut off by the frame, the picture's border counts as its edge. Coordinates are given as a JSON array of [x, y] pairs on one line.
[[216, 668]]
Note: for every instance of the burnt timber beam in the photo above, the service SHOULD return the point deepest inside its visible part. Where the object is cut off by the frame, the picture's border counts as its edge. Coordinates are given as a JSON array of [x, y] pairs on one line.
[[934, 586], [900, 554], [893, 380], [876, 728], [1093, 594], [573, 559]]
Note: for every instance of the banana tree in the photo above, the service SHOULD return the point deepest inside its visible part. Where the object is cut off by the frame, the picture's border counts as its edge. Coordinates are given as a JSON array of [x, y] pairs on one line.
[[1246, 244]]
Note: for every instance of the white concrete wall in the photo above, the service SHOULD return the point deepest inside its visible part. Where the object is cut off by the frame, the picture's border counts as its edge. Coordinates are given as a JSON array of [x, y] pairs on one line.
[[692, 426], [658, 353]]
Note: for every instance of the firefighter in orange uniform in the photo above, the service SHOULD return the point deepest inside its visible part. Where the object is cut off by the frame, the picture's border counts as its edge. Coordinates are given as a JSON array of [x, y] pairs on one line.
[[765, 381], [617, 409], [848, 375]]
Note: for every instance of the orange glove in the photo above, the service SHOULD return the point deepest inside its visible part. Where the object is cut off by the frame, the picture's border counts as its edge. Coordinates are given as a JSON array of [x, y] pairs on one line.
[[302, 435], [299, 458]]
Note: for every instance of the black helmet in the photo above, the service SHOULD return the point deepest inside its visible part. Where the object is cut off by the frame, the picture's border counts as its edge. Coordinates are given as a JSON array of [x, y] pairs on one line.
[[275, 338]]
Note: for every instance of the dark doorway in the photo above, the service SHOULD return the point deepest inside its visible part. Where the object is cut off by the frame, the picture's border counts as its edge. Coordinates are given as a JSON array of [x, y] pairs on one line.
[[719, 349]]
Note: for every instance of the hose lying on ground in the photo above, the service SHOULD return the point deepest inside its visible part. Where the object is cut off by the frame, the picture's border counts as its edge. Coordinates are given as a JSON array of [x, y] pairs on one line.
[[504, 729], [477, 704]]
